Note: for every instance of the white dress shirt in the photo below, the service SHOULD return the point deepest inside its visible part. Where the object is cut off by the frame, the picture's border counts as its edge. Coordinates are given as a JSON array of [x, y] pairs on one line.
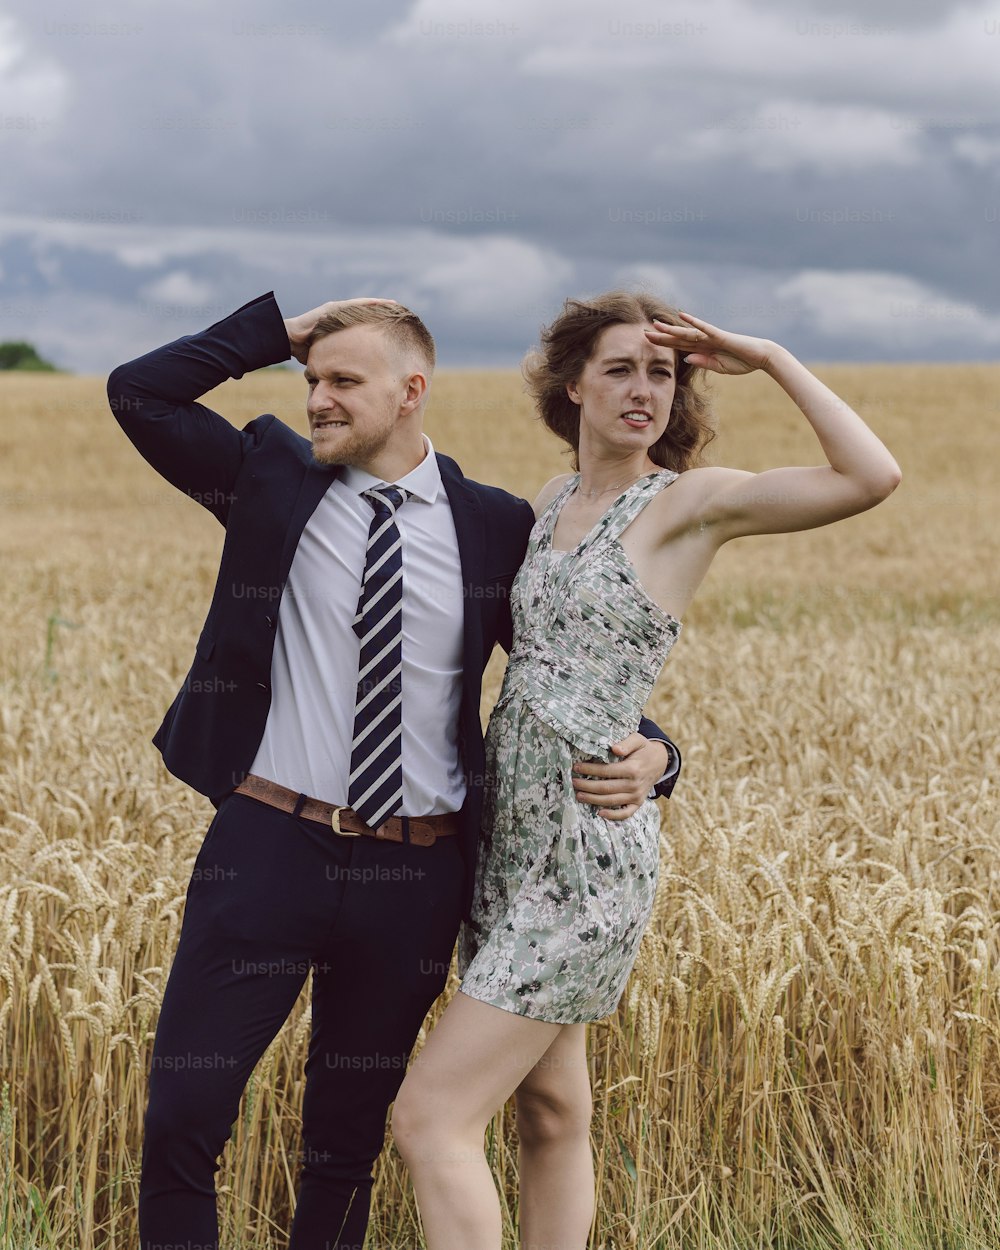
[[314, 668]]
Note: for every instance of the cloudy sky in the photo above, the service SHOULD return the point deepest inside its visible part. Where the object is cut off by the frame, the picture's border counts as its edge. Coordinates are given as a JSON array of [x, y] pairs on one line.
[[820, 172]]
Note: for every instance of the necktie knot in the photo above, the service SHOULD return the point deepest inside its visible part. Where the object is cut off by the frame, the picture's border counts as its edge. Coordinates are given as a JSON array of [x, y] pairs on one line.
[[386, 499]]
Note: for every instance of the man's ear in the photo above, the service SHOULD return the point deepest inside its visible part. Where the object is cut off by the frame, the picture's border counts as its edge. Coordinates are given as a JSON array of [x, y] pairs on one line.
[[415, 389]]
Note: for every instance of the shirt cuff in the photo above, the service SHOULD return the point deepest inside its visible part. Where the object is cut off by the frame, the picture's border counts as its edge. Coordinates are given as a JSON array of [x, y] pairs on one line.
[[673, 766]]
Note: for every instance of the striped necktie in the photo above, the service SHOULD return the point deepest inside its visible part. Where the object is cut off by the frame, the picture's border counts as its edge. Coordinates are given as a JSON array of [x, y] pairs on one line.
[[375, 788]]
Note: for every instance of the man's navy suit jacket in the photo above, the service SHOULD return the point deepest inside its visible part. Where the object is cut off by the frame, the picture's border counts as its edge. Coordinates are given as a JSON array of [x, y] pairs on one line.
[[262, 484]]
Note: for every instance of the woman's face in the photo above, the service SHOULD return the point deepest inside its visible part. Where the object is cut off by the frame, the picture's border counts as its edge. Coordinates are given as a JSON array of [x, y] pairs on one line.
[[625, 390]]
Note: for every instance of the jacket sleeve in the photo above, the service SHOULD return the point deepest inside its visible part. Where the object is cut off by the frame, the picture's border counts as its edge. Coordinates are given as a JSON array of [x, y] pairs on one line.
[[154, 398], [663, 788]]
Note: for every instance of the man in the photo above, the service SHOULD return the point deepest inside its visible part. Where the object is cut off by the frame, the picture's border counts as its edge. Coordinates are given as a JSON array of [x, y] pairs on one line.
[[332, 716]]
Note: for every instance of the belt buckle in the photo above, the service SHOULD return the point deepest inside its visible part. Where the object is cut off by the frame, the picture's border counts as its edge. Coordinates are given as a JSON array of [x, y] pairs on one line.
[[335, 825]]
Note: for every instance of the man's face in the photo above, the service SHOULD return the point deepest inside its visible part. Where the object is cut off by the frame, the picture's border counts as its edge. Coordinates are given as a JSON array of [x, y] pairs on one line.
[[357, 383]]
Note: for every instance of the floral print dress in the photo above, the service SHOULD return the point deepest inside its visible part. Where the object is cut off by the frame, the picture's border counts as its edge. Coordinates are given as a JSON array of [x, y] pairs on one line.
[[562, 896]]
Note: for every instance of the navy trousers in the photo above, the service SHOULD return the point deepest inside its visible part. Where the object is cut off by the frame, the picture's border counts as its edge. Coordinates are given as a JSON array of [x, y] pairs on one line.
[[271, 897]]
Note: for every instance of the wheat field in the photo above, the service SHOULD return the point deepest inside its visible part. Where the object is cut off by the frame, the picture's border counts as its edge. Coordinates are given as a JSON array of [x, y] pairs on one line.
[[807, 1052]]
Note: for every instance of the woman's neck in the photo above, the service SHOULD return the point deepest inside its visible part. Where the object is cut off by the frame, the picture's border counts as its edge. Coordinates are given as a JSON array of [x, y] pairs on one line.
[[600, 477]]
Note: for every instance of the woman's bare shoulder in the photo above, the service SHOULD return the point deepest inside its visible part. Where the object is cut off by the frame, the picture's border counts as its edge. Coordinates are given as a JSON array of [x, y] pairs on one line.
[[704, 482], [549, 492], [708, 476], [687, 506]]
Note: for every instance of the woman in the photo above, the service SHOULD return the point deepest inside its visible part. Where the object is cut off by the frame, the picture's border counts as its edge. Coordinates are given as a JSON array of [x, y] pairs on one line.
[[563, 895]]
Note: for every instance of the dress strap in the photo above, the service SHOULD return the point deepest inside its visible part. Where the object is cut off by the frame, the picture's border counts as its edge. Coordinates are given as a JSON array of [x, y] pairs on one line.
[[542, 531], [629, 504]]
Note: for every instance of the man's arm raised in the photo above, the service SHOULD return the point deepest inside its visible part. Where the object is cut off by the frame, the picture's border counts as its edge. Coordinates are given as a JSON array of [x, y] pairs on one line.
[[153, 399], [154, 396]]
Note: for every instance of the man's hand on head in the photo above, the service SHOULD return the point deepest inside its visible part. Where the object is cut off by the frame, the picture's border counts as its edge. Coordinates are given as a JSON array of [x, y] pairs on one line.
[[300, 328]]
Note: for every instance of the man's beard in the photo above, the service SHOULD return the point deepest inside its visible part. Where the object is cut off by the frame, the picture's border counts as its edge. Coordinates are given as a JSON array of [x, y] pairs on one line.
[[353, 447]]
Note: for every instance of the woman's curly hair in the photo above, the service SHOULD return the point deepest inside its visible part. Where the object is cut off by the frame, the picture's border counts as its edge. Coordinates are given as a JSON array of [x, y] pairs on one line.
[[567, 345]]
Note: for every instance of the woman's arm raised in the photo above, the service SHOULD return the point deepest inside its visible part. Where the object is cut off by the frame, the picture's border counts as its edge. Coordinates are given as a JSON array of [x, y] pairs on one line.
[[860, 473]]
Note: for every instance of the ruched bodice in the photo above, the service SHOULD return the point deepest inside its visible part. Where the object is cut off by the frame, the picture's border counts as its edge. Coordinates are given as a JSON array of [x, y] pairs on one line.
[[589, 642]]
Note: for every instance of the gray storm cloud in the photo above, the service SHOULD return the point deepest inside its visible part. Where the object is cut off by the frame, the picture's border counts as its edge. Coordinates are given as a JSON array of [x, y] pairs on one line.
[[164, 164]]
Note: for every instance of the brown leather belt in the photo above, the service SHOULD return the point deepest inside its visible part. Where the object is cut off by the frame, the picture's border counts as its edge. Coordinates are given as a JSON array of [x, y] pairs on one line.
[[423, 830]]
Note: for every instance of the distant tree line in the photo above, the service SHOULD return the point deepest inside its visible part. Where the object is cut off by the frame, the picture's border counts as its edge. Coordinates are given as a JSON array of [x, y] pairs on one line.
[[21, 355]]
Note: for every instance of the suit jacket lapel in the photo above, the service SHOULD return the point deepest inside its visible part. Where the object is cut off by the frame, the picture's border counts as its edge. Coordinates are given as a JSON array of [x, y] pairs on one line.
[[470, 528], [314, 485]]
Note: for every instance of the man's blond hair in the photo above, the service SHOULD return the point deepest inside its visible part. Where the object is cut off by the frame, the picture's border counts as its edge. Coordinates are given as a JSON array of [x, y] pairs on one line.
[[403, 328]]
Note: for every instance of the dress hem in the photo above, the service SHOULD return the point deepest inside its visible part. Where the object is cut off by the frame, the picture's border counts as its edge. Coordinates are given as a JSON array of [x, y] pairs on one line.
[[513, 1011]]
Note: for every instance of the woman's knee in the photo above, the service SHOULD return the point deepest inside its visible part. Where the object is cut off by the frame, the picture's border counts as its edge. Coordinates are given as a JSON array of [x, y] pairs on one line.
[[548, 1116], [413, 1123], [426, 1135]]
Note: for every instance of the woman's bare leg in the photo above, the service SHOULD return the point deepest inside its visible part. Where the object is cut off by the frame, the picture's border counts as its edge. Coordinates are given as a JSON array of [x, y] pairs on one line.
[[555, 1162], [471, 1063]]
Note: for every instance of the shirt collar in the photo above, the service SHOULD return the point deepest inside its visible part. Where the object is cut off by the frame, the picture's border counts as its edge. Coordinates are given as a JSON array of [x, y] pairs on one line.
[[423, 482]]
